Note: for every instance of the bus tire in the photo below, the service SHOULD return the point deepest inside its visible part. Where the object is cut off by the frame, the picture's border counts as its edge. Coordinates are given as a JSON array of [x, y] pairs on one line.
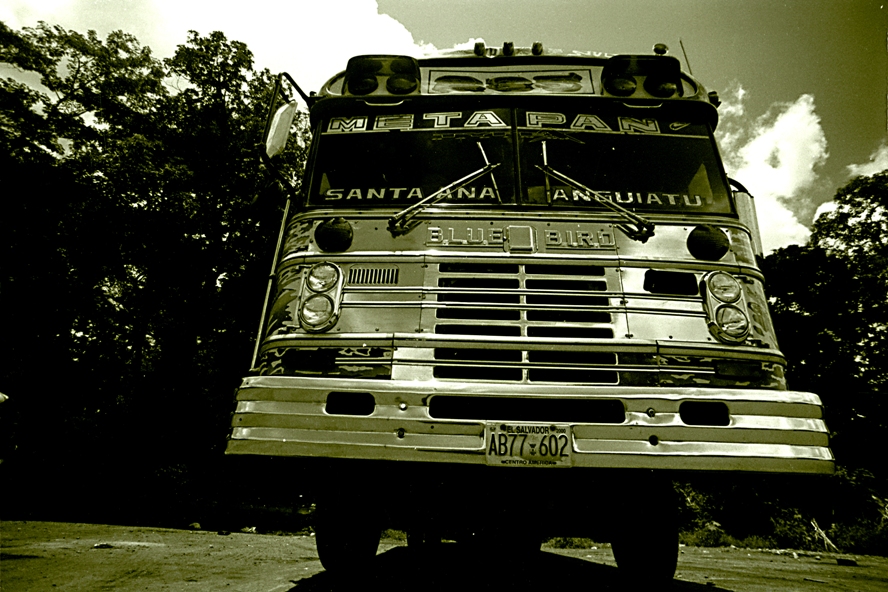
[[346, 537], [645, 545]]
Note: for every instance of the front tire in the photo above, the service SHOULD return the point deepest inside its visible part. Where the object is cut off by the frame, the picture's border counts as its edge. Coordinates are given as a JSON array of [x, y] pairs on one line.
[[645, 541], [346, 535]]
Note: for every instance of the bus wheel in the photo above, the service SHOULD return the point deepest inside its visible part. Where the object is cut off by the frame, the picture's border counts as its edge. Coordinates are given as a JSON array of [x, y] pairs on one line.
[[645, 544], [346, 536]]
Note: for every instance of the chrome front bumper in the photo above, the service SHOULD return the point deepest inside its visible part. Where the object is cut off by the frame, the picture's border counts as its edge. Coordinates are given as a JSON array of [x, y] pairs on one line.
[[766, 431]]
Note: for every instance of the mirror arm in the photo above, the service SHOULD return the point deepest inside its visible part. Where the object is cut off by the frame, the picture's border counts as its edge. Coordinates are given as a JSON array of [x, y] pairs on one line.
[[310, 101]]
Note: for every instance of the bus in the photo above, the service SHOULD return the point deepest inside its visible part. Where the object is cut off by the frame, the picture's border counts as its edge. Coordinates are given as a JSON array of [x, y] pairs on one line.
[[513, 298]]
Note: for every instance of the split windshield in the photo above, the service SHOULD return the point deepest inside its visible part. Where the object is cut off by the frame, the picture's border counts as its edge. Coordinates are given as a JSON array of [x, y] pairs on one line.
[[649, 165]]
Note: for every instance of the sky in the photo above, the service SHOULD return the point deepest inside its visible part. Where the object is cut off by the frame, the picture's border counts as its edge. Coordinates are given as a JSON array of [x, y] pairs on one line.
[[804, 83]]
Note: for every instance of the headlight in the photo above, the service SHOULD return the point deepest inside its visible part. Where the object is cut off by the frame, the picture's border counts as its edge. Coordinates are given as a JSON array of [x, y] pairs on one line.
[[724, 287], [732, 321], [322, 277], [317, 311]]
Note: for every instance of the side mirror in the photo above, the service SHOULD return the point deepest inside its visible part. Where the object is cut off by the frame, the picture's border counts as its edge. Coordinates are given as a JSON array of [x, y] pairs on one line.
[[279, 129], [746, 211]]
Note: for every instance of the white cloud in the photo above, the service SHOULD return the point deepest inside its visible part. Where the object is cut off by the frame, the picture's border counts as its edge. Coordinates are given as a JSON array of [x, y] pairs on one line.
[[311, 40], [776, 158], [878, 162]]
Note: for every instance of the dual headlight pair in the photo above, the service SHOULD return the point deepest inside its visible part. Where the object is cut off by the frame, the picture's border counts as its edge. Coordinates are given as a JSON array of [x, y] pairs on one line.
[[724, 305], [319, 303]]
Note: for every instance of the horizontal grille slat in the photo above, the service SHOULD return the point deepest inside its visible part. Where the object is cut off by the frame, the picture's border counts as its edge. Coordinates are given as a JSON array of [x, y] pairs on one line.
[[573, 270], [568, 316], [479, 314], [573, 358], [498, 268], [480, 355], [494, 330], [480, 297], [558, 300], [571, 332], [567, 285], [479, 283]]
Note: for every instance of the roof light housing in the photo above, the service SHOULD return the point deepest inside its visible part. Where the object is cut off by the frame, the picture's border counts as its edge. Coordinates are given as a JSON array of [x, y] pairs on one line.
[[657, 76], [381, 75]]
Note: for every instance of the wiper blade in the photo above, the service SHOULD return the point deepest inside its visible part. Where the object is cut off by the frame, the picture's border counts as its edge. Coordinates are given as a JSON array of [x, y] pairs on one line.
[[400, 222], [643, 229]]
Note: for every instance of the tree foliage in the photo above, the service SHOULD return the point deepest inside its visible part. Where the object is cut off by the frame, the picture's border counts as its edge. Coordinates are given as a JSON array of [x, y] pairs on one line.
[[830, 305], [134, 260]]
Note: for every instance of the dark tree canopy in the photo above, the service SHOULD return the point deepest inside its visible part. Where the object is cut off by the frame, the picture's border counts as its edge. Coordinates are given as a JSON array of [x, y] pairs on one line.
[[830, 305], [134, 263]]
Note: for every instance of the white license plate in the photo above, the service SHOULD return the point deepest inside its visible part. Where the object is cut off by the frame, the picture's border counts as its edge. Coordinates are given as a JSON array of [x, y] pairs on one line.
[[528, 444]]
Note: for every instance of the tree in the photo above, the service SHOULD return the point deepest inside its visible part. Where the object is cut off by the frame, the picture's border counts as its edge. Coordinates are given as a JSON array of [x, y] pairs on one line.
[[137, 263], [830, 305]]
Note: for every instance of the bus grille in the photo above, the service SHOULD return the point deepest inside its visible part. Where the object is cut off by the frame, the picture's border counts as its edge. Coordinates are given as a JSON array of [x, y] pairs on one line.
[[523, 300]]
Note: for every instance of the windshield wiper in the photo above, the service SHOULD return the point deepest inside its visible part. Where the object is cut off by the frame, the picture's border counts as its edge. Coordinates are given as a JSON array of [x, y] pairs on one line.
[[643, 229], [400, 222]]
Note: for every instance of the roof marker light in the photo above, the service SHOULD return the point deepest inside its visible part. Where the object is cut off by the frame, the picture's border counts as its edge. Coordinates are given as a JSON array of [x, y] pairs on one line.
[[480, 49], [537, 48], [364, 74]]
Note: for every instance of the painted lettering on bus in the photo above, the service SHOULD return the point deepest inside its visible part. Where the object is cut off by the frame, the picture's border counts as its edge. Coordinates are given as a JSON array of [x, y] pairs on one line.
[[405, 193], [466, 236], [408, 121], [585, 122], [579, 239], [629, 197]]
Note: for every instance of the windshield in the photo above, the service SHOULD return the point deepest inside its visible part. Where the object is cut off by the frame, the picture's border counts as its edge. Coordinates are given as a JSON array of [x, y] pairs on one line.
[[397, 160], [646, 165]]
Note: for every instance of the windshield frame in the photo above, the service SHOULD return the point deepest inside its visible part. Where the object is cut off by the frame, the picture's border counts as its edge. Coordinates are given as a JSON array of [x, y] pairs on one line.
[[512, 178]]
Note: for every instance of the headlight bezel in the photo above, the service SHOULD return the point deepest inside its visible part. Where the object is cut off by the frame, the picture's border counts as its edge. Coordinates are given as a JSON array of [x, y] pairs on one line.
[[322, 284], [718, 302]]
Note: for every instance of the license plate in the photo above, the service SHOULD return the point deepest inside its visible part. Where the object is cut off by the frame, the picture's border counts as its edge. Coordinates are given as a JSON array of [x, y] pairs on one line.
[[528, 444]]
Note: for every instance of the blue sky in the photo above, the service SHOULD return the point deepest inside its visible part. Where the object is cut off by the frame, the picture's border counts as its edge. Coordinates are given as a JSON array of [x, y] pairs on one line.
[[804, 81]]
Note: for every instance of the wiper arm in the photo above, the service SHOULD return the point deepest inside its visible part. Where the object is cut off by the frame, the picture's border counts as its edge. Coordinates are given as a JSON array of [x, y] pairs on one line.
[[400, 222], [643, 229]]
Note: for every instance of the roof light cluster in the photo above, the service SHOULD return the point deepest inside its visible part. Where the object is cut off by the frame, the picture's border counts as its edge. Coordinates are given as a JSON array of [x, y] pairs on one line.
[[639, 76], [366, 75]]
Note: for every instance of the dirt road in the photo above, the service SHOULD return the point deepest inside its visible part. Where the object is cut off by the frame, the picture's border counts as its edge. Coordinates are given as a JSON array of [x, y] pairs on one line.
[[38, 556]]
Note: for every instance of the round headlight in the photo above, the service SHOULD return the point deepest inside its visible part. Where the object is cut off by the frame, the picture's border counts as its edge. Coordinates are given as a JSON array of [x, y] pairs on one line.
[[724, 287], [322, 277], [732, 321], [316, 311]]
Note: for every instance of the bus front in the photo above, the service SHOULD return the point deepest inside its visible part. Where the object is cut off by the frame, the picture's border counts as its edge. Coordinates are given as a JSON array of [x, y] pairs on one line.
[[504, 263]]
